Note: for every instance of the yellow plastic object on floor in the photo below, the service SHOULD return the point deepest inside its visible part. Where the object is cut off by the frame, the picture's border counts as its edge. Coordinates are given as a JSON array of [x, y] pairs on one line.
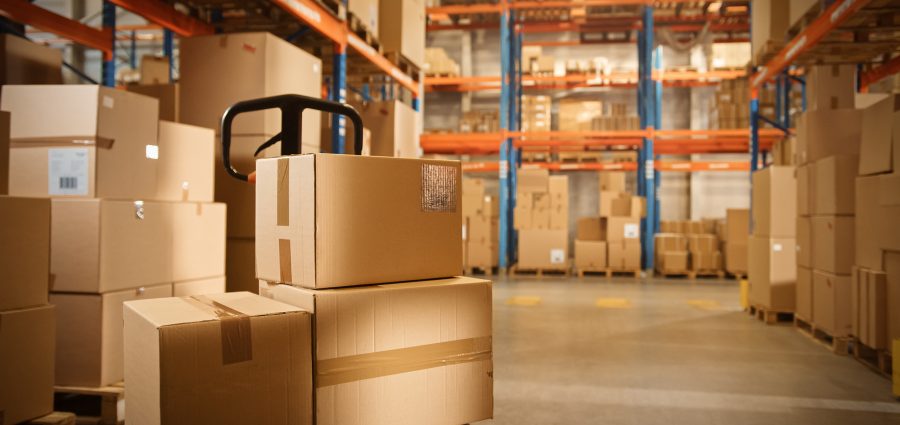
[[896, 367], [745, 294]]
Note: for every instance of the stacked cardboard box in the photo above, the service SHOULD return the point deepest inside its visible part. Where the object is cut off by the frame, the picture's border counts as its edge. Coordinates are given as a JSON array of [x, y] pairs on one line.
[[132, 212], [155, 70], [480, 121], [28, 331], [335, 235], [684, 246], [480, 226], [401, 29], [541, 216], [705, 254], [590, 245], [772, 269], [578, 115], [25, 62], [731, 105], [736, 240], [770, 20], [536, 113], [615, 117], [437, 63], [366, 13], [621, 215], [875, 309], [392, 125], [220, 70], [671, 253], [166, 94]]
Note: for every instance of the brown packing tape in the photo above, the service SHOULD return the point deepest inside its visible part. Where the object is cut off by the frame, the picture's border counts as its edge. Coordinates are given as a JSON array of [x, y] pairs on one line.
[[68, 141], [284, 260], [282, 200], [237, 342], [346, 369]]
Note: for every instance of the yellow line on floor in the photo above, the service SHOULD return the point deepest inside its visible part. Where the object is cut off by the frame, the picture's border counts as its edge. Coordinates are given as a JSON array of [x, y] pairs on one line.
[[704, 304], [613, 303], [524, 300]]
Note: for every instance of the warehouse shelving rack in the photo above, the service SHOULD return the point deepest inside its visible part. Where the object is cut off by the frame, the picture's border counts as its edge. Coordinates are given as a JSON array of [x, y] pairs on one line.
[[290, 18], [649, 81]]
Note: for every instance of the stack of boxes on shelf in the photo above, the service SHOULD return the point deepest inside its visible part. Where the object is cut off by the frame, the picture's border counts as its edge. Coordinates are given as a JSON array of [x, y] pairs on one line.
[[772, 268], [875, 280], [618, 226], [438, 64], [706, 258], [534, 62], [769, 20], [671, 253], [480, 215], [220, 70], [731, 105], [578, 115], [536, 113], [480, 121], [398, 26], [154, 82], [689, 247], [131, 212], [828, 136], [391, 124], [590, 245], [735, 241], [541, 216], [615, 118]]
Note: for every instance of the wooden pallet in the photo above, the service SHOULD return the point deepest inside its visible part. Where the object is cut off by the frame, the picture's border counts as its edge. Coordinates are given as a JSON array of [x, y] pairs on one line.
[[718, 274], [535, 156], [878, 360], [516, 270], [768, 52], [359, 28], [403, 63], [475, 270], [636, 273], [55, 418], [334, 7], [579, 156], [589, 271], [736, 275], [770, 317], [837, 345], [91, 405], [441, 74], [673, 273]]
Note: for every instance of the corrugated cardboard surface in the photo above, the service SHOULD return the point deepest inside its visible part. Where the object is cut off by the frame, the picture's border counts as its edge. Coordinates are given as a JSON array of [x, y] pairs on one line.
[[612, 181], [4, 152], [328, 221], [878, 122], [804, 294], [77, 113], [352, 323], [26, 363], [27, 62], [892, 268], [834, 243], [590, 254], [186, 161], [89, 335], [624, 255], [590, 229], [198, 240], [673, 261], [772, 273], [830, 87], [401, 28], [869, 216], [622, 228], [834, 188], [393, 128], [240, 265], [24, 252], [805, 245], [806, 189], [831, 303], [706, 260], [737, 222], [233, 358], [775, 202], [827, 133], [543, 249], [212, 285], [530, 180], [736, 257], [166, 94]]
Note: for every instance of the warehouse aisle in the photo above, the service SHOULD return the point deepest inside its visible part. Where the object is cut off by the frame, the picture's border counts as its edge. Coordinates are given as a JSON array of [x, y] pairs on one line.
[[665, 352]]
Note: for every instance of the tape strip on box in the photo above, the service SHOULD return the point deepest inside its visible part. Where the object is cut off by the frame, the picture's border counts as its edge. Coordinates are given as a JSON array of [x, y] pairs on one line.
[[237, 343], [438, 188]]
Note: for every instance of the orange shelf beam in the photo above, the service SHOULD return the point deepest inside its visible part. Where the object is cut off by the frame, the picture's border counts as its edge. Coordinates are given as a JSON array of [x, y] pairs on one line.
[[27, 13], [665, 166], [875, 75], [615, 79], [481, 8], [166, 16]]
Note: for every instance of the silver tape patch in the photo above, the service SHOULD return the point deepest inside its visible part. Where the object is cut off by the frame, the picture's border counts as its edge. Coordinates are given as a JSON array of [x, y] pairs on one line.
[[438, 188]]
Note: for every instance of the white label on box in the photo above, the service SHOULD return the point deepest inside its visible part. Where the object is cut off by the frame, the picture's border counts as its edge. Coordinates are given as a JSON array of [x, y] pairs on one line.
[[632, 231], [108, 102], [151, 151], [464, 232], [67, 171], [557, 256], [777, 247]]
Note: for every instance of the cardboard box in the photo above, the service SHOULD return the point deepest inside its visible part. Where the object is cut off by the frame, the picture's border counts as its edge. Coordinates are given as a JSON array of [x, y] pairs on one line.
[[772, 273], [25, 62], [327, 221], [590, 255], [799, 8], [211, 285], [736, 258], [24, 252], [26, 363], [102, 142], [775, 202], [612, 181], [231, 358], [858, 303], [830, 87], [401, 29], [664, 242], [624, 255], [4, 152], [103, 245], [892, 270], [155, 70], [590, 229], [876, 308], [706, 260], [622, 228], [89, 346], [446, 324], [531, 180], [198, 240], [543, 249], [879, 136], [237, 194], [219, 70], [831, 303], [615, 204], [737, 222], [805, 247], [804, 294], [702, 243], [187, 158], [673, 261], [833, 237], [869, 223], [821, 134], [168, 96], [770, 20], [366, 11], [835, 181], [806, 189], [889, 204], [240, 265], [393, 127]]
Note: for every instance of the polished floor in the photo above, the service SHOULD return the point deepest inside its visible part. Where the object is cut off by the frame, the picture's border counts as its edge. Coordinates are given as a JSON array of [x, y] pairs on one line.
[[591, 351]]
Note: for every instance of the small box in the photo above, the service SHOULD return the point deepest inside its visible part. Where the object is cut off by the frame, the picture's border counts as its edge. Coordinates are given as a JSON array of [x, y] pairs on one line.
[[401, 29], [24, 252], [590, 229], [830, 87], [233, 358], [26, 363], [198, 240], [590, 255], [326, 221], [186, 161], [706, 260], [211, 285], [833, 237], [736, 258], [155, 69], [775, 202], [773, 273], [612, 181], [880, 131], [624, 255], [543, 249], [167, 95], [622, 228], [834, 189], [831, 303], [737, 222], [673, 261], [804, 294]]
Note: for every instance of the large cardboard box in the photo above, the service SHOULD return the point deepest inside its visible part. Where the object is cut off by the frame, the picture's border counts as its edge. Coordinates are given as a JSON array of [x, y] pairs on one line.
[[326, 221], [770, 20], [821, 134], [673, 262], [880, 134], [624, 255], [615, 204], [590, 229], [219, 70], [233, 358], [590, 255], [401, 29], [804, 294], [543, 249], [240, 265], [4, 152], [25, 62], [806, 189], [835, 181], [89, 346], [830, 87], [168, 96], [737, 222], [870, 218], [833, 237], [872, 311], [366, 11], [805, 245], [26, 363], [198, 240], [892, 269], [612, 181], [772, 273], [701, 242], [532, 180], [423, 348], [775, 202], [211, 285], [393, 128], [82, 140], [24, 252], [105, 245], [187, 158], [622, 228], [706, 260], [736, 258], [831, 303]]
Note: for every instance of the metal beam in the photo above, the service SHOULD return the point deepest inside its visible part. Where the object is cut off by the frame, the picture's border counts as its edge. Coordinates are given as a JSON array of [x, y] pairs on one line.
[[166, 16], [27, 13], [877, 74]]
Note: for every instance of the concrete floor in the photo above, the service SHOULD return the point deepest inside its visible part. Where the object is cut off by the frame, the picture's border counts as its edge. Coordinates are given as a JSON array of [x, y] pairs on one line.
[[570, 351]]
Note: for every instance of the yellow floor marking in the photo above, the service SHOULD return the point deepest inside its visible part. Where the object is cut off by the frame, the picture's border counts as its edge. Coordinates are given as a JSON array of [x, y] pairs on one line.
[[524, 300], [704, 304], [613, 303]]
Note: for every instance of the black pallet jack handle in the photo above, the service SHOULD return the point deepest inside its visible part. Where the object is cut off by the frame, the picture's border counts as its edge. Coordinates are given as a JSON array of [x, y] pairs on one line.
[[292, 107]]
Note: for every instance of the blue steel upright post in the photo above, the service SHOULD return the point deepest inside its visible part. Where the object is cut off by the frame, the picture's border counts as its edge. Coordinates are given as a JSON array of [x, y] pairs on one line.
[[338, 93], [169, 51], [109, 61], [647, 109], [507, 93]]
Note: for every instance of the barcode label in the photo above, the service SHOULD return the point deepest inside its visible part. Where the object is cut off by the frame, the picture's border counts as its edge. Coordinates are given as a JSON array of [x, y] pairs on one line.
[[67, 171]]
